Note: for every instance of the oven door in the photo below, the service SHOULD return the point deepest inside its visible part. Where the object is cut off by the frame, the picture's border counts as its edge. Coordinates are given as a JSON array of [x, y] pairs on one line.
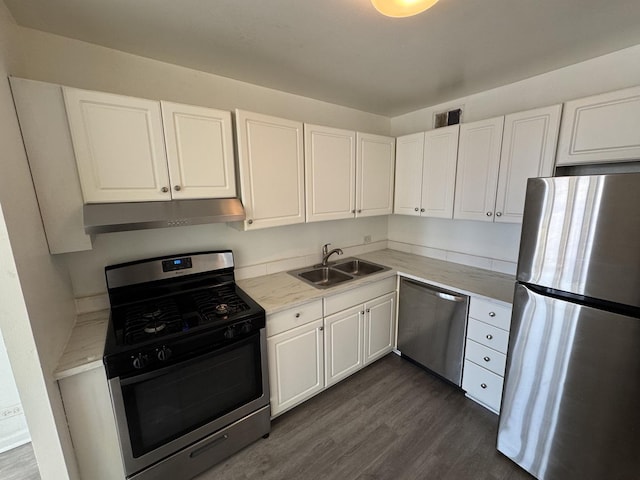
[[160, 412]]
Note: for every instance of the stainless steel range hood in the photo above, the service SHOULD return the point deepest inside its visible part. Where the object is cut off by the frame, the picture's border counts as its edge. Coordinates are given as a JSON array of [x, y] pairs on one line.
[[119, 217]]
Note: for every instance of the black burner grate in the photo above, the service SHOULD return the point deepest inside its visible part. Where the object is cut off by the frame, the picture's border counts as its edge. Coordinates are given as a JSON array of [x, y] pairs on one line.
[[219, 303], [144, 321]]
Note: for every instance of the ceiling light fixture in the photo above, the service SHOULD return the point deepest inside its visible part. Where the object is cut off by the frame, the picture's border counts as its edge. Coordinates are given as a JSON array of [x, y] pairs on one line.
[[402, 8]]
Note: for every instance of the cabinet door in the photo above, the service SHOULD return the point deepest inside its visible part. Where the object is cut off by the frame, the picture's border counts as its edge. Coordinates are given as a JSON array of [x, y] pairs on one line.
[[439, 172], [602, 128], [528, 150], [408, 191], [379, 327], [271, 169], [199, 151], [119, 147], [296, 366], [477, 173], [375, 166], [330, 173], [343, 340]]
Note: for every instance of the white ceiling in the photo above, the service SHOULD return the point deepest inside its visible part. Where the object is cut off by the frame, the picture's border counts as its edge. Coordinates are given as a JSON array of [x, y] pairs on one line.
[[343, 51]]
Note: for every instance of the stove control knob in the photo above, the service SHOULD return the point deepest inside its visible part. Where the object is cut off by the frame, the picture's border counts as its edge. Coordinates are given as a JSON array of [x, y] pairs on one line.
[[229, 333], [140, 361], [246, 328], [163, 353]]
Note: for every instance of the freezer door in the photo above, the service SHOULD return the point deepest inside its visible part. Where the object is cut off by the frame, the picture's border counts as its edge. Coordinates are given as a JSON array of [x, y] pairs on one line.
[[570, 403], [581, 235]]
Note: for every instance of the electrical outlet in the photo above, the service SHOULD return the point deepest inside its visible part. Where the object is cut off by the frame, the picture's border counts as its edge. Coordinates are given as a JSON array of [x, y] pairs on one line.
[[367, 239]]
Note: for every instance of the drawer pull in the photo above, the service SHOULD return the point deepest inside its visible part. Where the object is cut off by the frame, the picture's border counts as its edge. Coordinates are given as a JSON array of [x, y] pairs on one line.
[[487, 359], [489, 336], [483, 385], [492, 314], [298, 315]]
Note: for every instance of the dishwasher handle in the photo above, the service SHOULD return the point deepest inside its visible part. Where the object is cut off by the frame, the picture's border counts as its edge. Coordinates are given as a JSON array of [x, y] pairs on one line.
[[451, 298]]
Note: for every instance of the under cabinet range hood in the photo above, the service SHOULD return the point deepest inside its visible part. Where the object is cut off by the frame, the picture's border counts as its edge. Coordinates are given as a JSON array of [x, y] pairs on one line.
[[120, 217]]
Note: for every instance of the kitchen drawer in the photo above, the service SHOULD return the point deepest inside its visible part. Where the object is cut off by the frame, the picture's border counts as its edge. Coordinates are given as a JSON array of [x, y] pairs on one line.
[[293, 317], [350, 298], [488, 335], [489, 312], [482, 385], [486, 357]]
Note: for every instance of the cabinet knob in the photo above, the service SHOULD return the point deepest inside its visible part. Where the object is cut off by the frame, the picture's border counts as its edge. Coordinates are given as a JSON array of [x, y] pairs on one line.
[[498, 214], [489, 214], [489, 336], [359, 211], [249, 221], [492, 314], [353, 211], [362, 312], [297, 315], [368, 310], [422, 209], [483, 385], [416, 209], [164, 189], [321, 328], [486, 359], [177, 188]]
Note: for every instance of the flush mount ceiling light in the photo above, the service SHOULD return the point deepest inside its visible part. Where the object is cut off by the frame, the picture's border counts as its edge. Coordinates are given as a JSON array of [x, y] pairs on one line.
[[402, 8]]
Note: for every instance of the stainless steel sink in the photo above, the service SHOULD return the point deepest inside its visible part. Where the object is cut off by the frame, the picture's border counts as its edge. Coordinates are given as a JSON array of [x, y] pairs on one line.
[[327, 276], [358, 268]]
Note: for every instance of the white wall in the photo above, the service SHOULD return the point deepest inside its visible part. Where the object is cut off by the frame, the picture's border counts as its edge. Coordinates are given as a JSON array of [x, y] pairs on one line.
[[493, 243], [36, 302]]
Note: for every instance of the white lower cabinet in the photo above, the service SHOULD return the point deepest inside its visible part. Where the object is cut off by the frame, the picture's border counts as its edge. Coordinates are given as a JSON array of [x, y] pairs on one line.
[[485, 351], [379, 327], [343, 342]]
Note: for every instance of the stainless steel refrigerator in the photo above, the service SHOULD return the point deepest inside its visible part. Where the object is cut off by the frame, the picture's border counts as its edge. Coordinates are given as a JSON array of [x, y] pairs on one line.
[[571, 402]]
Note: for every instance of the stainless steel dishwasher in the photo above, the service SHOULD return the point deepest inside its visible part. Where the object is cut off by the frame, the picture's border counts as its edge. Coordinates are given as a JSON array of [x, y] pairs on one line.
[[432, 325]]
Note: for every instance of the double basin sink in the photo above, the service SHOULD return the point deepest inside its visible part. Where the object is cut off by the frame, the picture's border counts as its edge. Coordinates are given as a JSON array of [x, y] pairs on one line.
[[321, 276]]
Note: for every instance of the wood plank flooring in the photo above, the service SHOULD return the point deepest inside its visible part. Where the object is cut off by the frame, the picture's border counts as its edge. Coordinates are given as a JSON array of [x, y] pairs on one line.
[[391, 420], [19, 464]]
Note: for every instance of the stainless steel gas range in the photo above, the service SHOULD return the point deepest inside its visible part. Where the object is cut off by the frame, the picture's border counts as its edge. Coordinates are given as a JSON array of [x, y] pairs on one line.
[[186, 363]]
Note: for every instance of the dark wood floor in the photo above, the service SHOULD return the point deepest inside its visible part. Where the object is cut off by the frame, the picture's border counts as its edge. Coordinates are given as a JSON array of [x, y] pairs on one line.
[[391, 420], [19, 464]]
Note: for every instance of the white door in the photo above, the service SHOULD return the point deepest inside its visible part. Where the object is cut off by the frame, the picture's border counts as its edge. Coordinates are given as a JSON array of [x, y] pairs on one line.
[[602, 128], [528, 150], [199, 151], [343, 341], [296, 365], [439, 172], [379, 327], [408, 191], [271, 169], [374, 169], [119, 147], [477, 172], [330, 173]]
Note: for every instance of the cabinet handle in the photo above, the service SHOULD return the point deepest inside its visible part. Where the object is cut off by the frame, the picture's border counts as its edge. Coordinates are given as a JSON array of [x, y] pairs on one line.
[[492, 314], [489, 214], [416, 209], [359, 211], [483, 385], [164, 189], [177, 188], [362, 312], [486, 359], [297, 315], [249, 221], [368, 310], [422, 209], [321, 328], [498, 214], [353, 211], [489, 336]]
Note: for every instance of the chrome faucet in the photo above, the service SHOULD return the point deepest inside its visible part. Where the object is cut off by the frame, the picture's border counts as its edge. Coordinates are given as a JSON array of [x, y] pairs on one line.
[[326, 253]]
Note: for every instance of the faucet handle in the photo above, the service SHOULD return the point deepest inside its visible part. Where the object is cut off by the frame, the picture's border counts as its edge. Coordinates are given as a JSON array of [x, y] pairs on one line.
[[325, 248]]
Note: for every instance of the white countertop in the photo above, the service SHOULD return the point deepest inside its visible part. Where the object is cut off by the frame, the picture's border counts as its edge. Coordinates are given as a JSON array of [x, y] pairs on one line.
[[279, 291]]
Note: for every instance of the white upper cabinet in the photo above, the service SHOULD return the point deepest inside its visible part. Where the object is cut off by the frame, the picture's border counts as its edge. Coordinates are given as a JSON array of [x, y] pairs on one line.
[[375, 164], [271, 162], [602, 128], [330, 173], [200, 151], [528, 150], [477, 173], [132, 149], [119, 146], [409, 160], [439, 172]]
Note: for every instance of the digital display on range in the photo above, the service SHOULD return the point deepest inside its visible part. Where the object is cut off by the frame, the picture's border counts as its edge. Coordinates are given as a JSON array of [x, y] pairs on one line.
[[176, 264]]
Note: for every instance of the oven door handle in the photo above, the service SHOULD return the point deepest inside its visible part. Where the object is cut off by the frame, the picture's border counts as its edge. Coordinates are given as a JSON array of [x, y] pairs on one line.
[[124, 381]]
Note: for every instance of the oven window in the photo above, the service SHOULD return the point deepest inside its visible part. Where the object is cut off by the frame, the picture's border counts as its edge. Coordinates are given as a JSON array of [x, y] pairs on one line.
[[174, 403]]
